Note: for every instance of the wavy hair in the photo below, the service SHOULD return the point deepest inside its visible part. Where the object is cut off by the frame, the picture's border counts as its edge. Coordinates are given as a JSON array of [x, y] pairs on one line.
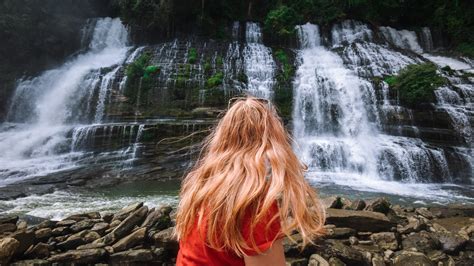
[[232, 177]]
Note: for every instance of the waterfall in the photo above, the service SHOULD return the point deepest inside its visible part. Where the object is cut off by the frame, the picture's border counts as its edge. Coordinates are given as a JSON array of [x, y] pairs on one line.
[[330, 119], [339, 118], [46, 108], [259, 65]]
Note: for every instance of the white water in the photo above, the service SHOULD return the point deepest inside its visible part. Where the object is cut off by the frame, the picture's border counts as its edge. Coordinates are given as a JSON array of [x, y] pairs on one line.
[[258, 63], [35, 148], [337, 119]]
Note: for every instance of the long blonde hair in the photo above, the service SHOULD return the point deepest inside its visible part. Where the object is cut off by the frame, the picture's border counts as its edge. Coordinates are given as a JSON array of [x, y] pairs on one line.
[[231, 178]]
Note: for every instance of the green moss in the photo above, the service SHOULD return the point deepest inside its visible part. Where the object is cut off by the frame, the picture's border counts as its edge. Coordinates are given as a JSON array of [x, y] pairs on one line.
[[192, 55], [219, 61], [416, 84], [390, 80], [215, 80], [139, 76]]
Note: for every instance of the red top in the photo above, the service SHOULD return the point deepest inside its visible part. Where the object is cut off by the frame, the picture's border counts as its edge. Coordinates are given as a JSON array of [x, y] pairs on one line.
[[194, 251]]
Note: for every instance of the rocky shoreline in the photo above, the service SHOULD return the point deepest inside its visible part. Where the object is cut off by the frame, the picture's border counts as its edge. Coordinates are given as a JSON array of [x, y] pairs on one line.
[[361, 232]]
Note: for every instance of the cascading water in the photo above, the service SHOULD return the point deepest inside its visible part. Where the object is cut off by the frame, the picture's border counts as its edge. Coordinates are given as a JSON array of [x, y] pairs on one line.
[[47, 108], [340, 118], [259, 65]]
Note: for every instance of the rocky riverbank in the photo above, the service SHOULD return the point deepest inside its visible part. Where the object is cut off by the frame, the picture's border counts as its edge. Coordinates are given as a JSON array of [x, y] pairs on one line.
[[358, 233]]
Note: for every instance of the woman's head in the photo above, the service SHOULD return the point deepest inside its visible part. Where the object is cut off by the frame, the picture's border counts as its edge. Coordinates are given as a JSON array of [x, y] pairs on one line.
[[232, 177]]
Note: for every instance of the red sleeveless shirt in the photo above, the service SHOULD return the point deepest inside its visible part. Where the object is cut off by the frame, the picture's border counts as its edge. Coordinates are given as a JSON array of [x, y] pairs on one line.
[[194, 251]]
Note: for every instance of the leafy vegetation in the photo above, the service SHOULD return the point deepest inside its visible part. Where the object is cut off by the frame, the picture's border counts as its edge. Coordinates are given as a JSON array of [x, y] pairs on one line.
[[192, 55], [139, 76], [415, 84], [287, 69], [281, 21], [215, 80]]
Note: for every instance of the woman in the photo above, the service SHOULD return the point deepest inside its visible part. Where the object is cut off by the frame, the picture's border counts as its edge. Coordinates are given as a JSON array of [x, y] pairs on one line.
[[245, 193]]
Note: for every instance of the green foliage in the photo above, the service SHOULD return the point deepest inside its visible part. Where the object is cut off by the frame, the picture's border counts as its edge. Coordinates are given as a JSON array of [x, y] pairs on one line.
[[288, 69], [466, 49], [139, 75], [215, 80], [192, 55], [416, 84], [281, 21], [283, 99], [391, 80]]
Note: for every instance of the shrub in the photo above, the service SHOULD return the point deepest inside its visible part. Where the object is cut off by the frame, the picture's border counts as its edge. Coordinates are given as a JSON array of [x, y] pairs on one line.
[[281, 21], [287, 68], [416, 84], [215, 80], [192, 56]]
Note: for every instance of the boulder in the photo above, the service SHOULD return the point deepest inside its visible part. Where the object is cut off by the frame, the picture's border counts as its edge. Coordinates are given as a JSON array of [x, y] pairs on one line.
[[450, 243], [359, 220], [39, 251], [316, 260], [100, 227], [404, 258], [91, 236], [65, 223], [79, 256], [33, 262], [340, 233], [26, 239], [414, 225], [9, 219], [385, 240], [21, 225], [167, 240], [296, 262], [381, 205], [124, 213], [345, 253], [137, 255], [157, 219], [333, 261], [8, 247], [421, 242], [7, 227], [358, 205], [60, 231], [83, 225], [424, 212], [71, 243], [43, 234], [134, 219], [131, 240]]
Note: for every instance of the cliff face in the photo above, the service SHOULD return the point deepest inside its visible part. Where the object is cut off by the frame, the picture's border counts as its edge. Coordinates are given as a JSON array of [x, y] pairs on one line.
[[38, 35]]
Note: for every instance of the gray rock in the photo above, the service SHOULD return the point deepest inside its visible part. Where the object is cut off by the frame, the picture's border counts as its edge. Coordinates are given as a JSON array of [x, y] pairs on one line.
[[358, 205], [65, 223], [134, 219], [100, 227], [124, 213], [414, 225], [450, 243], [385, 240], [345, 253], [39, 251], [138, 255], [71, 243], [296, 262], [26, 239], [33, 262], [341, 233], [8, 219], [424, 212], [7, 227], [61, 231], [83, 225], [167, 240], [91, 246], [421, 242], [404, 258], [79, 256], [359, 220], [381, 205], [8, 246], [131, 240], [91, 236], [316, 260], [43, 234]]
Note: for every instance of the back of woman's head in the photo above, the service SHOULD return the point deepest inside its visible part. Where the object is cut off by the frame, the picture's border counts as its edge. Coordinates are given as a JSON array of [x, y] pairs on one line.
[[246, 165]]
